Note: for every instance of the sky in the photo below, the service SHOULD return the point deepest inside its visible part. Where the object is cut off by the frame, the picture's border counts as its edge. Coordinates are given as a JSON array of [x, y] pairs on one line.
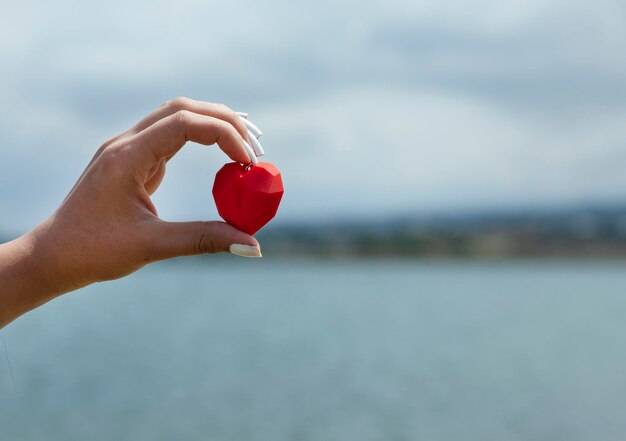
[[369, 109]]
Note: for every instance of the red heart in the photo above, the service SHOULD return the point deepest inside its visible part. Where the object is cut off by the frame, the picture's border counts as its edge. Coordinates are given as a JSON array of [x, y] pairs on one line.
[[248, 197]]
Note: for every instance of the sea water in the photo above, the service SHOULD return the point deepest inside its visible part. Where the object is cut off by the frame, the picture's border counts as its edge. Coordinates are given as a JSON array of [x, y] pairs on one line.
[[234, 349]]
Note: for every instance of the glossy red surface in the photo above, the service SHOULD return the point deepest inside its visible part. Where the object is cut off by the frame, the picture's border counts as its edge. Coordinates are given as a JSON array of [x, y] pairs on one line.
[[248, 198]]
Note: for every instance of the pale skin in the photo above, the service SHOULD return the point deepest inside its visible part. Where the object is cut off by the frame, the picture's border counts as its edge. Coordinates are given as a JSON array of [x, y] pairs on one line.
[[107, 227]]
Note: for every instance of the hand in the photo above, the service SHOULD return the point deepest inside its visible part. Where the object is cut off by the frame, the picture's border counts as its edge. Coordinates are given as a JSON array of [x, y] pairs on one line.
[[107, 227]]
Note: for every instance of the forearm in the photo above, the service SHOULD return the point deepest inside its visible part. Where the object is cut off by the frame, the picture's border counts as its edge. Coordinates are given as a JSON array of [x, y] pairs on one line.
[[107, 227], [23, 284]]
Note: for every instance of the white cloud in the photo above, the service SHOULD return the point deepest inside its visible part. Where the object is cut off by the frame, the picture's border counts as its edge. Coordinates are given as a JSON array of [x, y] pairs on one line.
[[395, 105], [376, 152]]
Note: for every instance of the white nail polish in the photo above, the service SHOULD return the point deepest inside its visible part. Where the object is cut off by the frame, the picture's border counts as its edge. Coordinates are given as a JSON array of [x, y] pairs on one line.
[[254, 129], [256, 145], [245, 250], [250, 152], [244, 115]]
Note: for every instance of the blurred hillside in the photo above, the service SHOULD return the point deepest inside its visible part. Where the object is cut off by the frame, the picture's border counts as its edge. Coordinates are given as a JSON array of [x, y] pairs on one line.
[[582, 233], [591, 232]]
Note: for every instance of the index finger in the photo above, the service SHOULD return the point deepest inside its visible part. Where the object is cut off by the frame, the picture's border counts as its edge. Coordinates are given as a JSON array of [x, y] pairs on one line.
[[219, 111], [167, 136]]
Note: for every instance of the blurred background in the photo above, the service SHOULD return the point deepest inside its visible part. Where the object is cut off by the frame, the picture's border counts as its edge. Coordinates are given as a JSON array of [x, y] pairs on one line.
[[448, 259]]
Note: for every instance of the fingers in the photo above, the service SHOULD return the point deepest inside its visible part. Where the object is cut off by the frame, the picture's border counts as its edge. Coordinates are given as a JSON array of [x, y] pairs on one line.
[[166, 137], [156, 178], [173, 239], [218, 111]]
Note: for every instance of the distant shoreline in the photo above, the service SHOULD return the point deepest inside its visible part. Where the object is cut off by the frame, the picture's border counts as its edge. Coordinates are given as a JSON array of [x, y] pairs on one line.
[[575, 234], [585, 233]]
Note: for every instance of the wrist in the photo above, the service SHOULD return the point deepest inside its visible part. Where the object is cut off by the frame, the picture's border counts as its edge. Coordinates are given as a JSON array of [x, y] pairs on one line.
[[49, 261], [27, 275], [20, 286]]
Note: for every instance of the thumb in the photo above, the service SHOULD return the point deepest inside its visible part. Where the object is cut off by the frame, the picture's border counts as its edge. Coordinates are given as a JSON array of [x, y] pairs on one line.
[[188, 238]]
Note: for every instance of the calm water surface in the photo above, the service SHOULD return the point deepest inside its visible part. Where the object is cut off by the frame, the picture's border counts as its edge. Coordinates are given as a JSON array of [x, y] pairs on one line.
[[226, 349]]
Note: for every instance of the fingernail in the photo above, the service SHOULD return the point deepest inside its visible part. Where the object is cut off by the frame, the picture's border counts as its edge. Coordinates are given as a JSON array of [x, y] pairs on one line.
[[250, 152], [254, 129], [245, 250], [256, 145], [244, 115]]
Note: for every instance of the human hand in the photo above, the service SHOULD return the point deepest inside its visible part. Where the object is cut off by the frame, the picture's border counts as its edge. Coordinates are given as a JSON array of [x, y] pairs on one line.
[[107, 227]]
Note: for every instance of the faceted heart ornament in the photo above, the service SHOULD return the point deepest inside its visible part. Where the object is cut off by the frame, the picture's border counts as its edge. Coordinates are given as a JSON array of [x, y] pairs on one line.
[[247, 197]]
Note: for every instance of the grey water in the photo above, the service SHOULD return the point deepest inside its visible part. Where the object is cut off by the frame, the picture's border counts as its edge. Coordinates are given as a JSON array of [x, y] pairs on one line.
[[234, 349]]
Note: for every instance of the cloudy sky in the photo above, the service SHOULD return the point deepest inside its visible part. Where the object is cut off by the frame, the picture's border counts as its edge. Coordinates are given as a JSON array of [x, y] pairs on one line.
[[368, 108]]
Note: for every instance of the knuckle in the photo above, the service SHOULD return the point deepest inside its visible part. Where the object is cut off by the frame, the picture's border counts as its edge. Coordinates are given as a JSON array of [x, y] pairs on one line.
[[205, 243], [108, 143], [227, 126], [180, 118], [112, 157], [233, 132], [236, 120], [101, 149], [224, 108], [227, 130], [180, 103], [220, 125], [227, 112]]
